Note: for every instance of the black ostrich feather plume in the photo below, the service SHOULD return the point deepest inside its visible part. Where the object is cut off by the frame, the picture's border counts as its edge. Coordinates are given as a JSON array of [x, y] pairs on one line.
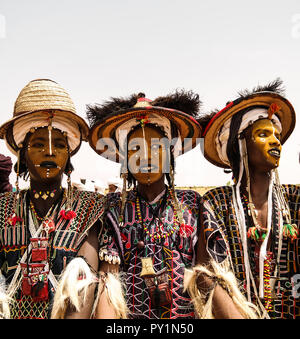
[[275, 86], [185, 101], [96, 113], [181, 100], [205, 118]]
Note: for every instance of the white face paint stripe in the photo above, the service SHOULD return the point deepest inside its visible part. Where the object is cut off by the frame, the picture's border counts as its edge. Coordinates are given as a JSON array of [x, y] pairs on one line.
[[50, 139], [274, 133], [145, 150]]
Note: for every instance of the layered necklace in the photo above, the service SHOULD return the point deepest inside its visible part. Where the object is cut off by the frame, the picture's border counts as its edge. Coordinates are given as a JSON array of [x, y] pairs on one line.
[[160, 233], [258, 233], [47, 220], [255, 232]]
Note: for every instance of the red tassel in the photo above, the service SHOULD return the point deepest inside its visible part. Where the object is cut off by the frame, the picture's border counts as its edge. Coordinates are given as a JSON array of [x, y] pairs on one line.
[[14, 219], [67, 215], [124, 238]]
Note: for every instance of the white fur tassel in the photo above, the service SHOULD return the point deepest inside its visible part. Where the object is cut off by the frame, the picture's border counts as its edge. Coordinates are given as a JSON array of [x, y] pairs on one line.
[[110, 284], [5, 301], [204, 309], [72, 289]]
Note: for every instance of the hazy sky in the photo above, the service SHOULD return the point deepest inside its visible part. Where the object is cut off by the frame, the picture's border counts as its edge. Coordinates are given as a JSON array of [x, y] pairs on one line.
[[102, 48]]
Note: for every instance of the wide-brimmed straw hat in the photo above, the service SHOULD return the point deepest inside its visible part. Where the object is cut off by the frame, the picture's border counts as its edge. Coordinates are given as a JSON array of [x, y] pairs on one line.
[[43, 98], [258, 98], [109, 118]]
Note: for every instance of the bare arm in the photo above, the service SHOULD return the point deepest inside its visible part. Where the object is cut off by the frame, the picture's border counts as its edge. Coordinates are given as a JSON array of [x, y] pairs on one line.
[[105, 309], [222, 305]]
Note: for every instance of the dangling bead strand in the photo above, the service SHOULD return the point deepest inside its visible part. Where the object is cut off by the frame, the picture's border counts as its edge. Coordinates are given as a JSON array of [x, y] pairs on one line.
[[255, 232], [161, 233]]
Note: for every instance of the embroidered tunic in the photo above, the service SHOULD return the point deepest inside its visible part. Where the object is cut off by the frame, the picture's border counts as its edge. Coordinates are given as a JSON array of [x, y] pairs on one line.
[[64, 243], [220, 222], [172, 252]]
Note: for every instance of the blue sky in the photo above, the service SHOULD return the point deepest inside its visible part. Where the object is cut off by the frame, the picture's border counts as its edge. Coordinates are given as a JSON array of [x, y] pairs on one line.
[[102, 48]]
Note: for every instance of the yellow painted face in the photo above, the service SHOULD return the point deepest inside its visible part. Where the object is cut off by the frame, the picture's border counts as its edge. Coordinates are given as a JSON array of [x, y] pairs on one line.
[[46, 161], [147, 155], [264, 146]]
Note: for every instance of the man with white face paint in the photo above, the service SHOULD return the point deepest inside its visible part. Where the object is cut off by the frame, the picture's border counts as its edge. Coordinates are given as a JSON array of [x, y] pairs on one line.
[[257, 216]]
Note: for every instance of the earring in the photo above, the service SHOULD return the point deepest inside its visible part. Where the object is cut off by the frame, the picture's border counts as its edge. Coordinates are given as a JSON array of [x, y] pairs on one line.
[[15, 217], [124, 176], [18, 174], [69, 192], [174, 196], [68, 213]]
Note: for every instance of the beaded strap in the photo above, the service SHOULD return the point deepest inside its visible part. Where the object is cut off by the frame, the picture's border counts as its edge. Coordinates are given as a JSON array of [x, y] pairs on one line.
[[162, 233]]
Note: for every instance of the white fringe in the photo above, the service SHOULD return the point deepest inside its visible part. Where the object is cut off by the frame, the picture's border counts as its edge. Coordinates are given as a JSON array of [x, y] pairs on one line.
[[5, 302], [110, 284], [204, 310], [73, 287]]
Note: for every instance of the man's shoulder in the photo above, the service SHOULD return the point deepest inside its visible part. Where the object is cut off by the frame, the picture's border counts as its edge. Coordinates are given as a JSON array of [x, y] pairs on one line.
[[219, 193]]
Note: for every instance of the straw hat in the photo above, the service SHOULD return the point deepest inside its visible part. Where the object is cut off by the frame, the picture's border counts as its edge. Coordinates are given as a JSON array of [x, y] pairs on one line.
[[112, 116], [260, 98], [42, 98]]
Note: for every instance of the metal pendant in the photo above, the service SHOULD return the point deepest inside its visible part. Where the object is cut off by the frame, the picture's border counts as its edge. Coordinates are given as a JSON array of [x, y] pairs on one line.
[[147, 267]]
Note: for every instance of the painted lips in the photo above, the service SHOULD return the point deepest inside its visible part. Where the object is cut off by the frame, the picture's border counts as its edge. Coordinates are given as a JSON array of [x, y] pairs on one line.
[[275, 152], [48, 164], [148, 169]]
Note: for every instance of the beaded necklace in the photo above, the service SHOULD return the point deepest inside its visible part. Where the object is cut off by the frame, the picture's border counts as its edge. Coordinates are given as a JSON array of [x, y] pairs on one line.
[[35, 212], [256, 232], [160, 232], [259, 233], [48, 213]]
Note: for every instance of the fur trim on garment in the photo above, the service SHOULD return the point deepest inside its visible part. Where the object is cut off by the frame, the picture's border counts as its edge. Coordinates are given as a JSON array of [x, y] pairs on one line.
[[219, 273], [73, 288], [5, 301], [110, 284]]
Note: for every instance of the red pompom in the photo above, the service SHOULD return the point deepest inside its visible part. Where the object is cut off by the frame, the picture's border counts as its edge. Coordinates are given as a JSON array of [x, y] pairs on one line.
[[124, 238], [67, 215], [14, 219], [186, 230], [274, 108]]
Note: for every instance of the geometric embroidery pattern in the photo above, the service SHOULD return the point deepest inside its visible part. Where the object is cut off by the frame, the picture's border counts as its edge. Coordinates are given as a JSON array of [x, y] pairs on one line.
[[67, 239], [219, 216], [173, 254]]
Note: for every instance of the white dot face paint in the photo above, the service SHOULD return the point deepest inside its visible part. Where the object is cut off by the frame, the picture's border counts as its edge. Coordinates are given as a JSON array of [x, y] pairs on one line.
[[266, 139], [147, 155]]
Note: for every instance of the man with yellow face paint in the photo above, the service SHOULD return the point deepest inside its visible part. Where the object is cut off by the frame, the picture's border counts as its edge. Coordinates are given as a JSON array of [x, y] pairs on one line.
[[151, 231], [257, 217], [264, 144]]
